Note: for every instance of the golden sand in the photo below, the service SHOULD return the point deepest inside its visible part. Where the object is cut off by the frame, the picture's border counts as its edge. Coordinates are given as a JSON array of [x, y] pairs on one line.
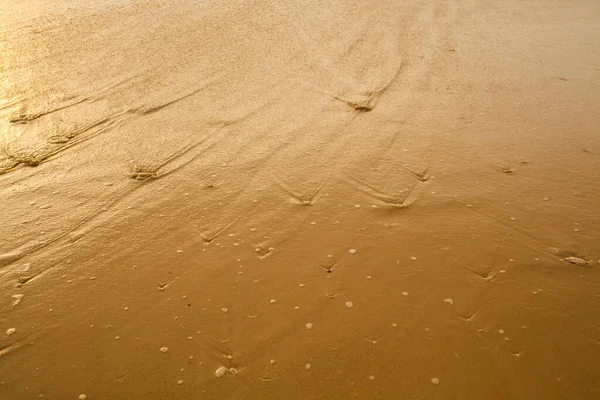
[[299, 199]]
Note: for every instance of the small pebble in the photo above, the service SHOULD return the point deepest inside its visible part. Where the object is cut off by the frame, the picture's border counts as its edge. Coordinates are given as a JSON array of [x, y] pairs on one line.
[[577, 261], [449, 301], [220, 372], [435, 381], [82, 397], [180, 382], [224, 309], [404, 293], [309, 326], [164, 349], [352, 251], [10, 331], [349, 304], [307, 366], [501, 331], [273, 301]]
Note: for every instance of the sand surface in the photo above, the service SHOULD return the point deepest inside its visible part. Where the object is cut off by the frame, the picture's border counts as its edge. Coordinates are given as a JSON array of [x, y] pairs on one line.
[[300, 199]]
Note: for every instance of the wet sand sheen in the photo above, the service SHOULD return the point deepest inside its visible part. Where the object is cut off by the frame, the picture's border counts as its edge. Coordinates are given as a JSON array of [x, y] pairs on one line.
[[299, 200]]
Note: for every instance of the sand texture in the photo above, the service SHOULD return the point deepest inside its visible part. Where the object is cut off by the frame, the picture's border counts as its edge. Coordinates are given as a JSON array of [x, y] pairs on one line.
[[310, 199]]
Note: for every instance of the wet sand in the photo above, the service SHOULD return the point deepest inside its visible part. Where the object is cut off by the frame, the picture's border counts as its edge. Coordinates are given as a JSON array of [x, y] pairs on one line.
[[316, 200]]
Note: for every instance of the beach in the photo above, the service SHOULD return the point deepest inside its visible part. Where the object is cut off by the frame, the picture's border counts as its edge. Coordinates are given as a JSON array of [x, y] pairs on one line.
[[303, 200]]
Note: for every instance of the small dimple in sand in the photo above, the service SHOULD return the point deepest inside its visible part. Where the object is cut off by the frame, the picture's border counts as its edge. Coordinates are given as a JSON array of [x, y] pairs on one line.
[[18, 298], [220, 372]]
